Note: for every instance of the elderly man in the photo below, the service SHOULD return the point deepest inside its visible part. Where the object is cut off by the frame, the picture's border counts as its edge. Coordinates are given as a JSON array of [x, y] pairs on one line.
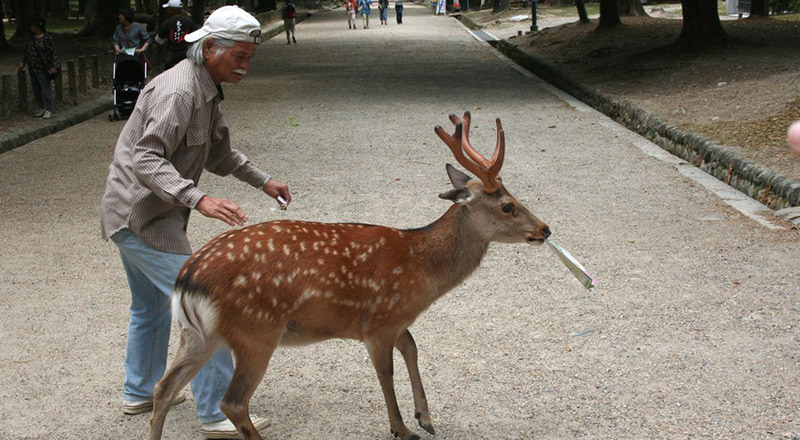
[[175, 131]]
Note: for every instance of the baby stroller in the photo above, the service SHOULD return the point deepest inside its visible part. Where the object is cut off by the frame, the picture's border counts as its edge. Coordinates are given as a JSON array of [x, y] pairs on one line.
[[129, 77]]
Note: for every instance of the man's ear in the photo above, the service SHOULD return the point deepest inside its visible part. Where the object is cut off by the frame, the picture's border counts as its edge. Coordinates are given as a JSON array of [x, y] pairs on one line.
[[208, 44]]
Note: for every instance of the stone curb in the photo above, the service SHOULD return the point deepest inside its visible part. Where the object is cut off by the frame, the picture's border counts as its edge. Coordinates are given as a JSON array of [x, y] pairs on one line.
[[756, 181], [85, 111]]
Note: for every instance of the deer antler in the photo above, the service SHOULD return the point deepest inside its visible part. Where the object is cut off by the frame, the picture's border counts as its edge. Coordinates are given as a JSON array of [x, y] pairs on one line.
[[485, 169]]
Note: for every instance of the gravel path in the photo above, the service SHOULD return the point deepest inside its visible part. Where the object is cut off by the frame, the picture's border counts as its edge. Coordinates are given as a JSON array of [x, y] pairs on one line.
[[691, 332]]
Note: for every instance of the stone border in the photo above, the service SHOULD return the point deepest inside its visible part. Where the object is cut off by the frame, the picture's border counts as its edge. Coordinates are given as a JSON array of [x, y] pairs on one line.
[[756, 181], [85, 111]]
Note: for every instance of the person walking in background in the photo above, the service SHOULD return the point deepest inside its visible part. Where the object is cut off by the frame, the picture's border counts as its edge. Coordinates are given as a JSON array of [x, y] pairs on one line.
[[289, 13], [398, 10], [173, 31], [130, 36], [175, 132], [383, 6], [351, 9], [42, 61], [364, 6]]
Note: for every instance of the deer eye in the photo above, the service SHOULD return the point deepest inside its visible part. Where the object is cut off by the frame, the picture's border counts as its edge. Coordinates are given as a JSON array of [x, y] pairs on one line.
[[508, 207]]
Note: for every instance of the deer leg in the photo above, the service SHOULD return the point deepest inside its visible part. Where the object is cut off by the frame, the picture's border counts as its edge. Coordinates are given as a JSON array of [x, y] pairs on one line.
[[192, 355], [408, 348], [380, 351], [251, 361]]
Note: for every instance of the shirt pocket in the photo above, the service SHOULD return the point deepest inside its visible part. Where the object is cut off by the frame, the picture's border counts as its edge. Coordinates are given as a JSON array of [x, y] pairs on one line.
[[197, 134]]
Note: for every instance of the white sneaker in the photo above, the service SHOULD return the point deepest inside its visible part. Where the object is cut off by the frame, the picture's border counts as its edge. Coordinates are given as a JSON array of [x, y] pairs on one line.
[[225, 428], [39, 113], [47, 115], [133, 407]]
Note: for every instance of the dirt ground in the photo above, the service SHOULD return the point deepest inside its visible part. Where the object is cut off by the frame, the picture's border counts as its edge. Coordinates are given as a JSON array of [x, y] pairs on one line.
[[743, 95], [691, 332]]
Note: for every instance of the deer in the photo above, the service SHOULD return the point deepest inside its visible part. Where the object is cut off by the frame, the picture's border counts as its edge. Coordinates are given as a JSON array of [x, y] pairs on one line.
[[289, 283]]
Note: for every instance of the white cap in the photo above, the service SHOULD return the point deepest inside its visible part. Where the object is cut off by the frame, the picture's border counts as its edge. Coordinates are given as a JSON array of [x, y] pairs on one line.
[[173, 4], [230, 23]]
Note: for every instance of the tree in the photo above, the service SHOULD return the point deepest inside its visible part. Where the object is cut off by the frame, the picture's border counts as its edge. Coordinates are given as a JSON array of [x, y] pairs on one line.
[[609, 14], [759, 8], [59, 9], [24, 12], [702, 28], [631, 8], [101, 17], [501, 5], [582, 15]]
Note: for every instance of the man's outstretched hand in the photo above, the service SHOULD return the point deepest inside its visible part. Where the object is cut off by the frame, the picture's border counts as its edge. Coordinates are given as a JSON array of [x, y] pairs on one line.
[[222, 209]]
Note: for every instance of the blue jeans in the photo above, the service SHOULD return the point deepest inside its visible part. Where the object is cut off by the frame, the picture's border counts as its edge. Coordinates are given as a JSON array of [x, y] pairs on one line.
[[151, 277]]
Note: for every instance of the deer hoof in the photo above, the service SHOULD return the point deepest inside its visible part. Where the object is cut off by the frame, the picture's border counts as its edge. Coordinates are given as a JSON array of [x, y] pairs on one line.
[[426, 425], [396, 436]]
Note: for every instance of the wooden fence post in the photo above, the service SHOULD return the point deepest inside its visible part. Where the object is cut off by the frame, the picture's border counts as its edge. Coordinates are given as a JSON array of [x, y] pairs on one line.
[[58, 82], [82, 74], [6, 95], [22, 87], [72, 83], [95, 72]]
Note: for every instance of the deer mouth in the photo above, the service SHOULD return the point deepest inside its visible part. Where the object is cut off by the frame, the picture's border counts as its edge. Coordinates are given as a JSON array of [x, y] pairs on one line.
[[535, 241]]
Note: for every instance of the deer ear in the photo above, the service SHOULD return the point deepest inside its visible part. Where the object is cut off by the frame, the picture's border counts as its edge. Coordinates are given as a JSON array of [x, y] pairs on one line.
[[458, 195], [457, 178]]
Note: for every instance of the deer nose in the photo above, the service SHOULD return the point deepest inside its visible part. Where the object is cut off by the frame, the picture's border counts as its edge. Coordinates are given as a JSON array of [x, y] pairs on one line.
[[546, 232]]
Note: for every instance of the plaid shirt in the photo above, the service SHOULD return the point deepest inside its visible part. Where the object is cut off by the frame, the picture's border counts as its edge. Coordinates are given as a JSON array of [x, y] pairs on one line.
[[175, 130]]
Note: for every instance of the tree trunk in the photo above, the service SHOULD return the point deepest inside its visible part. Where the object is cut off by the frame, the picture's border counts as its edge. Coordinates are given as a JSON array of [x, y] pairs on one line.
[[59, 9], [24, 11], [759, 8], [101, 17], [501, 5], [609, 14], [631, 8], [701, 26], [584, 17]]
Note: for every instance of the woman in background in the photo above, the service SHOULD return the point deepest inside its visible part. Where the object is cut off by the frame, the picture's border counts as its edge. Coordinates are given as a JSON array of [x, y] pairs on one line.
[[40, 57]]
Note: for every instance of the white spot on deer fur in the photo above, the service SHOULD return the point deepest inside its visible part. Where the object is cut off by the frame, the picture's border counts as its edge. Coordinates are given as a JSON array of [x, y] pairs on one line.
[[302, 246], [362, 257], [277, 279], [240, 281], [286, 250], [277, 228], [231, 257], [204, 266], [315, 245], [256, 276], [304, 230], [245, 250], [246, 240], [382, 241], [271, 245], [259, 245], [396, 285], [260, 232], [397, 270], [316, 232], [394, 300], [274, 302], [294, 238], [230, 245], [260, 314], [321, 261]]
